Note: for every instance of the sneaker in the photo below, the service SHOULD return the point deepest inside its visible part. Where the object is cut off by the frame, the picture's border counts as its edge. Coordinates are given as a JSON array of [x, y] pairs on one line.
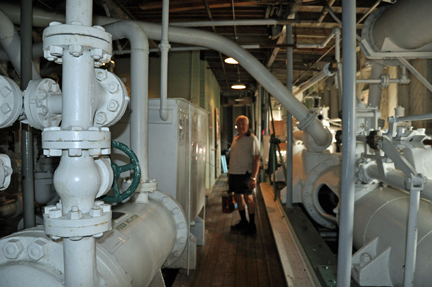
[[250, 230], [240, 225]]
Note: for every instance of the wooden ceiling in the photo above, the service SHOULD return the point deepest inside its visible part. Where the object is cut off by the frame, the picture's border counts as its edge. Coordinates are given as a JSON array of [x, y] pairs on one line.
[[312, 25]]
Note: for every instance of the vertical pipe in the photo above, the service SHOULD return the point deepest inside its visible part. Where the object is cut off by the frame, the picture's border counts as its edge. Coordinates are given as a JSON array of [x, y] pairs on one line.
[[289, 151], [349, 144], [374, 99], [164, 47], [80, 261], [266, 112], [411, 244], [26, 130], [78, 12]]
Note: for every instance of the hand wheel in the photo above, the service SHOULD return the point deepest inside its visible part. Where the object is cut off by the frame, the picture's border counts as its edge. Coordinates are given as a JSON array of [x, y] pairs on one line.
[[134, 166]]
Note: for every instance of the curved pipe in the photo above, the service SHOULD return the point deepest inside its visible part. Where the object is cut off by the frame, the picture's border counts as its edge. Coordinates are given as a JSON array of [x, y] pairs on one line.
[[221, 44], [11, 43], [396, 25], [139, 87]]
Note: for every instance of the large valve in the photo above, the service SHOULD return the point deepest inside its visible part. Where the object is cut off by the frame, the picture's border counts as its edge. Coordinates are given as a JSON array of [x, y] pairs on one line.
[[133, 165]]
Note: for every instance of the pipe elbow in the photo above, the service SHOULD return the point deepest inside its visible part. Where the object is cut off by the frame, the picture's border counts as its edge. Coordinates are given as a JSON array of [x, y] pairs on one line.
[[131, 30], [163, 112]]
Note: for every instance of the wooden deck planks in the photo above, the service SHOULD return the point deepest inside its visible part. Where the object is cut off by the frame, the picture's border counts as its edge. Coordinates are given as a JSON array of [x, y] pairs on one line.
[[230, 259]]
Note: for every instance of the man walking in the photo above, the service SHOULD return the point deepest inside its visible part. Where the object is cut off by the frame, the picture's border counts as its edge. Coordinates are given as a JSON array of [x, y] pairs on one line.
[[242, 174]]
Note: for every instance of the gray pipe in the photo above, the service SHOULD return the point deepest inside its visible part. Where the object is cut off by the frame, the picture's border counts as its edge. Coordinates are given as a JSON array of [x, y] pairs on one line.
[[374, 90], [139, 87], [349, 144], [406, 23], [26, 130], [37, 52], [206, 39], [289, 154]]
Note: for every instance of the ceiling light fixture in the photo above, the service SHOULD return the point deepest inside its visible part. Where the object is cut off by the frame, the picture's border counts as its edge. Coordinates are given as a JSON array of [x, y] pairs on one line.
[[231, 61], [238, 86]]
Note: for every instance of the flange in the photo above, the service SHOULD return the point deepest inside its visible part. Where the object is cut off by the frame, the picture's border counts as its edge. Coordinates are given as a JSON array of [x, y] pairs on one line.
[[180, 220], [96, 140], [58, 38], [11, 102], [42, 104]]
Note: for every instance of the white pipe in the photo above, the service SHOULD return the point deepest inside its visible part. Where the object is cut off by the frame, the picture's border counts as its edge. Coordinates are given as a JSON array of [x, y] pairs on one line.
[[397, 26], [379, 81], [411, 244], [374, 99], [164, 47], [80, 266], [219, 43], [11, 43], [79, 12], [423, 117], [139, 87], [312, 81], [416, 73], [261, 22], [349, 144]]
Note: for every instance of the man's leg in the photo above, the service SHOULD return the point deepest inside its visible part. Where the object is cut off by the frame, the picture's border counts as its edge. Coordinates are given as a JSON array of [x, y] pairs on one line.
[[251, 209], [243, 223]]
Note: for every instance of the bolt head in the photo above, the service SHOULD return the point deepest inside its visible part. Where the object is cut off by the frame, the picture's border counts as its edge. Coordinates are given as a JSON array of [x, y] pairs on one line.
[[55, 213], [105, 207], [96, 54], [13, 248], [101, 75], [48, 208], [98, 235], [37, 249], [99, 27], [101, 118], [5, 108], [74, 215], [56, 51], [113, 105], [76, 50], [54, 23], [95, 212], [113, 87]]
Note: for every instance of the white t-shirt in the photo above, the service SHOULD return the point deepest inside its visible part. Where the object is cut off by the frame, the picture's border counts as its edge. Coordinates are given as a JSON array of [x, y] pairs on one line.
[[241, 154]]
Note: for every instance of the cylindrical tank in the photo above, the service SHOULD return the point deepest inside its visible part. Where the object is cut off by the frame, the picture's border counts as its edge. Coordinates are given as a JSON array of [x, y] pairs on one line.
[[383, 213], [145, 236]]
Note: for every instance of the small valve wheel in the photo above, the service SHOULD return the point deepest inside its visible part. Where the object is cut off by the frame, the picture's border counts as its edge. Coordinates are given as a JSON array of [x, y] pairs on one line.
[[134, 166]]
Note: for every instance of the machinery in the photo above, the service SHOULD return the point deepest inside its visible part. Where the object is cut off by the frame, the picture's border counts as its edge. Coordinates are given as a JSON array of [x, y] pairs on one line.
[[86, 241]]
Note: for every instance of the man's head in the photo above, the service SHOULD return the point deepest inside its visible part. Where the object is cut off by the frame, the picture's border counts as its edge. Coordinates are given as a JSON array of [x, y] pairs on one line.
[[242, 123]]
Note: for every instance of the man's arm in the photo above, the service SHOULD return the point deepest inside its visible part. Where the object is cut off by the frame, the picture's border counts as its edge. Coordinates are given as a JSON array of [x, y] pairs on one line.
[[255, 169]]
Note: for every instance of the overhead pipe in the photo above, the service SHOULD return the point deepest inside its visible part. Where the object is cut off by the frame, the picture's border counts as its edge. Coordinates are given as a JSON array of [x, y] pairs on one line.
[[11, 43], [164, 47], [394, 29], [346, 223], [139, 87], [255, 68]]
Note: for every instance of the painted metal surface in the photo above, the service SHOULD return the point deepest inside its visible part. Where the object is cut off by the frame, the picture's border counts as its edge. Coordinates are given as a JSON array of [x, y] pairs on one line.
[[143, 237]]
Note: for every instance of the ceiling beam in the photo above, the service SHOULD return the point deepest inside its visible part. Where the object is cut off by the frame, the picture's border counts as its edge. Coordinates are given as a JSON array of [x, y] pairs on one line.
[[198, 6]]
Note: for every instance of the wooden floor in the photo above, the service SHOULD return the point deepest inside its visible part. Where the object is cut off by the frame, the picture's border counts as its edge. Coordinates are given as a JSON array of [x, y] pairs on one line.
[[229, 258]]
